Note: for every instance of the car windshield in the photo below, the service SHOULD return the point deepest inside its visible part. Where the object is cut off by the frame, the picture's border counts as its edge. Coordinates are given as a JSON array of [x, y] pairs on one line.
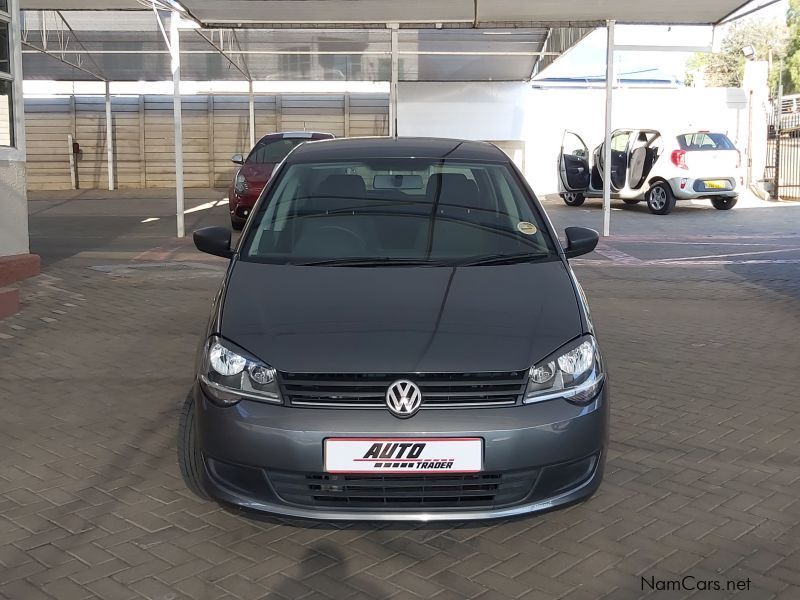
[[705, 141], [397, 211], [273, 150]]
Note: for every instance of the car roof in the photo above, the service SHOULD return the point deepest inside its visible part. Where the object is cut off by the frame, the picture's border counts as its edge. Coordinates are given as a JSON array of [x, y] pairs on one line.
[[400, 147], [285, 135]]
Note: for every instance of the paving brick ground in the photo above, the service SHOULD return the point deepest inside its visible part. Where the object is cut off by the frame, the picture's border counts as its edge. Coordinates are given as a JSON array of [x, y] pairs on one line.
[[703, 476]]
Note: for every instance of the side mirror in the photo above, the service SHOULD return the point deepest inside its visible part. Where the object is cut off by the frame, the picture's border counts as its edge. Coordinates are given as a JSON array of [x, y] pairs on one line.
[[214, 240], [580, 240], [237, 159]]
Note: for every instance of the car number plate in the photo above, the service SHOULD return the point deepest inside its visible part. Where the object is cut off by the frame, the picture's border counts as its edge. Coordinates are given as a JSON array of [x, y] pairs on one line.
[[716, 184], [403, 455]]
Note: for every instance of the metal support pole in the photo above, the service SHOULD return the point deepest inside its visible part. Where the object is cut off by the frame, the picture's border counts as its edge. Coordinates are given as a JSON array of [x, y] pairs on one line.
[[109, 138], [607, 145], [175, 53], [749, 165], [393, 84], [252, 106], [72, 176], [776, 185]]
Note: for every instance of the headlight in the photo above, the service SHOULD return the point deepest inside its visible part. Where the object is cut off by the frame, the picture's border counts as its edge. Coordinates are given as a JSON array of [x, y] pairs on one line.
[[240, 184], [230, 374], [574, 373]]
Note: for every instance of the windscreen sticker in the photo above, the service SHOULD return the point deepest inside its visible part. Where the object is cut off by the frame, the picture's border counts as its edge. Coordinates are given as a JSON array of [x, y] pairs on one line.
[[526, 227]]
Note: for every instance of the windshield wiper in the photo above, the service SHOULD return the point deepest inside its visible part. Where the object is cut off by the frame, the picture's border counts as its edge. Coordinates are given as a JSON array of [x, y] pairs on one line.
[[380, 261], [503, 259]]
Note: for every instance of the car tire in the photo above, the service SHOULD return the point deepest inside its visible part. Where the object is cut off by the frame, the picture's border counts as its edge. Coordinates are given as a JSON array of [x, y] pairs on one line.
[[660, 199], [724, 203], [630, 201], [573, 198], [237, 225], [190, 460]]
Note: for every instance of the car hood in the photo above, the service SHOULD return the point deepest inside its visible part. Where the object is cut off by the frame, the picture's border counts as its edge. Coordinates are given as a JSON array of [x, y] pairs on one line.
[[257, 173], [400, 319]]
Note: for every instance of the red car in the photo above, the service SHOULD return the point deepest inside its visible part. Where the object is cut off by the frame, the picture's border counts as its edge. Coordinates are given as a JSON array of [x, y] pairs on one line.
[[256, 170]]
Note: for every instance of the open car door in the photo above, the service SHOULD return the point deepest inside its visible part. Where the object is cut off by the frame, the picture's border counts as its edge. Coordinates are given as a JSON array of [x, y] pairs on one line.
[[619, 158], [573, 164]]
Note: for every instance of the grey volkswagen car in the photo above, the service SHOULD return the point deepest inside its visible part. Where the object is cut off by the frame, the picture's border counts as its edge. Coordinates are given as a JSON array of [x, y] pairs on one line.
[[399, 335]]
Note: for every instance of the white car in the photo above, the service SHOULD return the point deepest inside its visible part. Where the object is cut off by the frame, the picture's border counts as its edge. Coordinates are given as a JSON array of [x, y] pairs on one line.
[[659, 168]]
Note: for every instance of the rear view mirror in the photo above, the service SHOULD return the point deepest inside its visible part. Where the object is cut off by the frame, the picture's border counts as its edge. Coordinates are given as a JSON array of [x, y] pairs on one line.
[[580, 240], [397, 182], [237, 159], [214, 240]]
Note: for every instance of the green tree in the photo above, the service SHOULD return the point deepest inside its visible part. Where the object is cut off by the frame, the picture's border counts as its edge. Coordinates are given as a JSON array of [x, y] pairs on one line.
[[791, 74], [725, 68]]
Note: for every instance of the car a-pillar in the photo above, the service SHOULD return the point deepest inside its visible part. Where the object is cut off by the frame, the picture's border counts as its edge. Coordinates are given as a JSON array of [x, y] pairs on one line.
[[16, 261]]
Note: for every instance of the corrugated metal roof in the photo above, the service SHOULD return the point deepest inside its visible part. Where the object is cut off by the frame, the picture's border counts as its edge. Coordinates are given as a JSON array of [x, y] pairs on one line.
[[315, 12], [441, 40]]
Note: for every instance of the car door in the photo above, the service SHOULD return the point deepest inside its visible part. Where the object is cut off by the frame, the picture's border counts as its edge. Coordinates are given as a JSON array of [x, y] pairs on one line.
[[620, 141], [573, 164]]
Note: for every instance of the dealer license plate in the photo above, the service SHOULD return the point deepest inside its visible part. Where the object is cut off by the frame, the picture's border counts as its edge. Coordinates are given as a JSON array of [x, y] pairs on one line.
[[403, 455], [717, 184]]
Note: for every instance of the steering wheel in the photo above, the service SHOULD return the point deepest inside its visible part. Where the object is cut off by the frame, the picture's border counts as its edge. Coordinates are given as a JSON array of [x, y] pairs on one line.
[[338, 229]]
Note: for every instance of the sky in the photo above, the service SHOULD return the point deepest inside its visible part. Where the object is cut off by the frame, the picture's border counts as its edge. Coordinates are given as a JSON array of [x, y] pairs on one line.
[[587, 59]]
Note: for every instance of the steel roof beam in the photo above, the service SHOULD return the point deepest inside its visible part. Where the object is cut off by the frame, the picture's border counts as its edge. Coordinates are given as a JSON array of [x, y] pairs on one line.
[[62, 51], [64, 60], [244, 71]]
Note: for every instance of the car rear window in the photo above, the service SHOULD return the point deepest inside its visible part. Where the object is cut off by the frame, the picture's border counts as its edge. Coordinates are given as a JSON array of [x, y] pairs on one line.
[[273, 150], [396, 208], [702, 140]]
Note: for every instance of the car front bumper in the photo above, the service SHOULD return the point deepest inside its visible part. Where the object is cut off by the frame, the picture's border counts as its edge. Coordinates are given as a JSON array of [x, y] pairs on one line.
[[269, 458]]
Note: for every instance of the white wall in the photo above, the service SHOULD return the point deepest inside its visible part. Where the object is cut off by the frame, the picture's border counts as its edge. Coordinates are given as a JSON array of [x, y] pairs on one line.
[[515, 111], [472, 111]]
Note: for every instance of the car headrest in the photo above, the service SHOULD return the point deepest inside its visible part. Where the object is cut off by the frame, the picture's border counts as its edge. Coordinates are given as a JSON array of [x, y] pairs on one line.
[[336, 192], [453, 189], [341, 186]]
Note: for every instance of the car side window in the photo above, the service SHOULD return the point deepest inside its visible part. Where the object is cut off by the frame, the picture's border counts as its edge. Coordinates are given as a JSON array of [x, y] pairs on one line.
[[619, 142]]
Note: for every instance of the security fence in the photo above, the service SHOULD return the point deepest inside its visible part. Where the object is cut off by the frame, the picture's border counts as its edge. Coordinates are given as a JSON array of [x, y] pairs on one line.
[[783, 150], [214, 128]]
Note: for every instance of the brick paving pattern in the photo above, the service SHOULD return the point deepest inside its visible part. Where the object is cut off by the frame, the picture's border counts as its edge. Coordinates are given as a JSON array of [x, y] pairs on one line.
[[703, 477]]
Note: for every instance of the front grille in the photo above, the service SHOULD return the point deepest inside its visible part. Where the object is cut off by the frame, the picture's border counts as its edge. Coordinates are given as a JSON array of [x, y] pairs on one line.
[[403, 491], [439, 390]]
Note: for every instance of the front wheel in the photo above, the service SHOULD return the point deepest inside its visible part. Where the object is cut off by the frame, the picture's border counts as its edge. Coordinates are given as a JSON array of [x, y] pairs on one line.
[[237, 225], [660, 199], [190, 460], [573, 198], [724, 203]]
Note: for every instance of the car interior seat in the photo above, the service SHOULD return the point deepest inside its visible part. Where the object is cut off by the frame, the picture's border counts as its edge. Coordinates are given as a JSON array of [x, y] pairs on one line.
[[333, 222], [463, 220], [636, 172]]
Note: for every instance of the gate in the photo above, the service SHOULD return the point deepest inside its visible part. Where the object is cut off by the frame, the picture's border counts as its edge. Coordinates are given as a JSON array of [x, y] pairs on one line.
[[783, 149]]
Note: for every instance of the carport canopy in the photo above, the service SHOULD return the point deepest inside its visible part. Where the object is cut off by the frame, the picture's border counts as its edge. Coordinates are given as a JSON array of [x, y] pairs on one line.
[[445, 40], [327, 40]]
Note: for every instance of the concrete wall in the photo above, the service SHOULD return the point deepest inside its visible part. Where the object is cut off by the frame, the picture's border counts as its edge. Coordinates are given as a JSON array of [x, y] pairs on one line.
[[538, 117], [13, 208], [214, 128], [13, 198]]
